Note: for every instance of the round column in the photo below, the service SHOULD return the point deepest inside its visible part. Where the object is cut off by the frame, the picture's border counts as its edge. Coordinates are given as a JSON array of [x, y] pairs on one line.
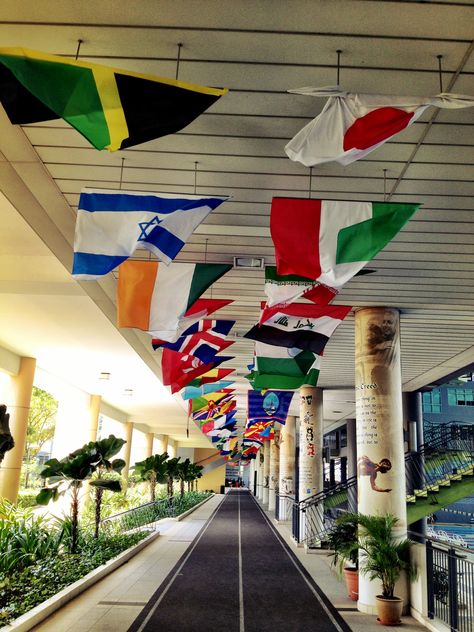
[[287, 466], [310, 454], [127, 451], [379, 426], [18, 409], [274, 471], [149, 444], [260, 460], [266, 472], [94, 411]]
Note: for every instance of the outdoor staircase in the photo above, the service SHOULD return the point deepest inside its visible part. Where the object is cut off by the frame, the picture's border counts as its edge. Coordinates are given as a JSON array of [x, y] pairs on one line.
[[440, 473]]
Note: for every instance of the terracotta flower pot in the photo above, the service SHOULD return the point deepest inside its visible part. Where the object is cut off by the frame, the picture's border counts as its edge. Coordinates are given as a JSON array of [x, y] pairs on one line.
[[389, 610], [351, 576]]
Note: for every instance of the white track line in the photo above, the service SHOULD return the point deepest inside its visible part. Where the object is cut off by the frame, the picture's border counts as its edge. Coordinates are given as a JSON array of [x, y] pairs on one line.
[[311, 587], [241, 581]]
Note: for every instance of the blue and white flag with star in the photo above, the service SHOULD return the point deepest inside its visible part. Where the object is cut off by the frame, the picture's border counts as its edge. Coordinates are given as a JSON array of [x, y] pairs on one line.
[[110, 225]]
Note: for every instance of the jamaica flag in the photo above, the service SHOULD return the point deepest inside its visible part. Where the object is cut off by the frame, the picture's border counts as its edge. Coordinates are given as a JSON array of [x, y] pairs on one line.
[[113, 109]]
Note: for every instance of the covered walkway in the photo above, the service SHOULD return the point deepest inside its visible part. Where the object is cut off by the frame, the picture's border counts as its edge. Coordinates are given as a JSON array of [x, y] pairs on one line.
[[225, 567]]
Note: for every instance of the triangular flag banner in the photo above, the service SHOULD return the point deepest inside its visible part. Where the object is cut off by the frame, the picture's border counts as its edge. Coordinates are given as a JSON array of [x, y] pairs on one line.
[[300, 326], [204, 401], [261, 430], [179, 369], [352, 125], [154, 297], [329, 241], [203, 339], [112, 108], [190, 392], [111, 225], [270, 405], [221, 408], [283, 368], [211, 376]]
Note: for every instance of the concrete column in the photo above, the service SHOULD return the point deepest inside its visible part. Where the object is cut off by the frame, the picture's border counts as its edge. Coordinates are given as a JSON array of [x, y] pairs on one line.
[[266, 472], [18, 409], [351, 462], [287, 464], [379, 419], [159, 443], [260, 460], [94, 410], [274, 471], [311, 442], [149, 444], [311, 474], [128, 426], [171, 448]]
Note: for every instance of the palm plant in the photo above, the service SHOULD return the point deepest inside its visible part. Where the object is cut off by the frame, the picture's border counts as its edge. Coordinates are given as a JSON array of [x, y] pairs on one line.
[[104, 450], [172, 470], [154, 470], [384, 555], [70, 472], [184, 474], [194, 473], [342, 539]]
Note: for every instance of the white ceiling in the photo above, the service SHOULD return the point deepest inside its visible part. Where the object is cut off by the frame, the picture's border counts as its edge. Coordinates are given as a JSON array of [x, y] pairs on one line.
[[258, 50]]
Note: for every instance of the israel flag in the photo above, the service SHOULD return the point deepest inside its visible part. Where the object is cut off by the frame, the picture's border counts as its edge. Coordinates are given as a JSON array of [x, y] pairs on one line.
[[110, 225]]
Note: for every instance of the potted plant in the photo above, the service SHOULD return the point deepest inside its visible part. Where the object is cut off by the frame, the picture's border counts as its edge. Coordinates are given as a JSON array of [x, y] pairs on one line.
[[342, 539], [384, 557]]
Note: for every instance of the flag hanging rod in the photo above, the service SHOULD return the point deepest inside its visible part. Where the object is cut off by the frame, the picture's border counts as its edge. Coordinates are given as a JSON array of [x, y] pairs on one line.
[[178, 59], [121, 174], [339, 52], [440, 72], [79, 43], [148, 191]]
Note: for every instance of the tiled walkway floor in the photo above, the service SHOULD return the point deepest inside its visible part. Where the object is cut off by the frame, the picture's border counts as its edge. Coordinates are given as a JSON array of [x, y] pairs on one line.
[[114, 602]]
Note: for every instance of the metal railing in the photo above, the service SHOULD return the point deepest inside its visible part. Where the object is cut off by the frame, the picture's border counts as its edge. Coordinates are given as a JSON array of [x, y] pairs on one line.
[[445, 459], [284, 507], [144, 517], [451, 588]]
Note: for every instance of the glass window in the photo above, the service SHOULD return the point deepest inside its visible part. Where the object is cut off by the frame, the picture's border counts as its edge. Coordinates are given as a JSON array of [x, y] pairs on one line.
[[432, 401]]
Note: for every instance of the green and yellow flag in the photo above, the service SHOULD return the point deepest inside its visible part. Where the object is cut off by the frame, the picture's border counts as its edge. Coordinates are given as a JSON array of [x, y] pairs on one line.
[[113, 109]]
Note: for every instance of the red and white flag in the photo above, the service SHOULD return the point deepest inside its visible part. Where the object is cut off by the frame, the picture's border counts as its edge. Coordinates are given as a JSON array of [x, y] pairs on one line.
[[352, 125]]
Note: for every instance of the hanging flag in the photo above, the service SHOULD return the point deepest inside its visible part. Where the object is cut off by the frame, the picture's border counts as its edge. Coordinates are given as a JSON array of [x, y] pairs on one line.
[[220, 408], [283, 368], [281, 289], [211, 376], [219, 422], [300, 326], [191, 392], [179, 369], [329, 241], [110, 225], [270, 405], [154, 297], [261, 430], [111, 108], [203, 339], [352, 125], [204, 401]]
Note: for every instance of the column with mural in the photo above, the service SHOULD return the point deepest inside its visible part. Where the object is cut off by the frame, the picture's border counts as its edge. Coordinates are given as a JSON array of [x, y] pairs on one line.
[[310, 454], [287, 467], [274, 471], [266, 472], [379, 427]]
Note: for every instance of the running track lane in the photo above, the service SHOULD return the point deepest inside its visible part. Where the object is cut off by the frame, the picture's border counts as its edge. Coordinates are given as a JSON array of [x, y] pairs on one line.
[[238, 576]]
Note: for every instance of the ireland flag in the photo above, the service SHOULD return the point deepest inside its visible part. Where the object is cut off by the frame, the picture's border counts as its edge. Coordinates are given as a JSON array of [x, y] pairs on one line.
[[329, 241]]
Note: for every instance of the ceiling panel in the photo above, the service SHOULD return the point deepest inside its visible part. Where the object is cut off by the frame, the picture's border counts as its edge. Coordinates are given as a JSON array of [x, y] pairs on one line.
[[259, 51]]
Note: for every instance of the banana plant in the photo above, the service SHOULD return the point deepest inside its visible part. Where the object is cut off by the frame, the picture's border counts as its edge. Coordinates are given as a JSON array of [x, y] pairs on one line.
[[70, 473], [154, 470]]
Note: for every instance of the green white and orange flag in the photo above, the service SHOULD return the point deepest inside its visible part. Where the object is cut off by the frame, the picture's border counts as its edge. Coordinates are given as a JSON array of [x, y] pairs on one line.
[[158, 298], [328, 241], [111, 108]]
